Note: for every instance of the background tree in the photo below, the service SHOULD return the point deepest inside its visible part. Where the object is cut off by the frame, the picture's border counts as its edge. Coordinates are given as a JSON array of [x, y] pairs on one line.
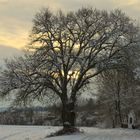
[[117, 88], [66, 51]]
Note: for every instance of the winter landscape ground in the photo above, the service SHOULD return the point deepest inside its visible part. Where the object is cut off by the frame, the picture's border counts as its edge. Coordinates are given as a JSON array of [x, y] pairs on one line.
[[10, 132]]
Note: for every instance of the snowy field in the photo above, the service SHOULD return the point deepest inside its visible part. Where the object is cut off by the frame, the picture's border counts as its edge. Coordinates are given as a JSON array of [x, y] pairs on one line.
[[40, 132]]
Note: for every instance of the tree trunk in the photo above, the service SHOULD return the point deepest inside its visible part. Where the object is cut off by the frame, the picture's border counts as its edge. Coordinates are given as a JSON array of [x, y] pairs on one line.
[[119, 103], [68, 116]]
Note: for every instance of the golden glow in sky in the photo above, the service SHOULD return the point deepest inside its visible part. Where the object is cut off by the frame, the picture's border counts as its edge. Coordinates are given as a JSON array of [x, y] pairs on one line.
[[16, 15], [18, 41]]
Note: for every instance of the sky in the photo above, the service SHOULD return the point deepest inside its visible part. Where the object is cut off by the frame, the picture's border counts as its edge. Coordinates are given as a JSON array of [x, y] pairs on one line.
[[16, 17]]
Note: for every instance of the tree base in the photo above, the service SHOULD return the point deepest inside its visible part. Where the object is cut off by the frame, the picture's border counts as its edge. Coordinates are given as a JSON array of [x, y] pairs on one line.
[[65, 131]]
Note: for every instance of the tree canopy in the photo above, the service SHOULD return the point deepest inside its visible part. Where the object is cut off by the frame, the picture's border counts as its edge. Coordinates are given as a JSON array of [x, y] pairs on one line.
[[67, 50]]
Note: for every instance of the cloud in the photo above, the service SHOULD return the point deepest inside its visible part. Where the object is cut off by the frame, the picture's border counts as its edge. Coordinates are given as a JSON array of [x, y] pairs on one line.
[[16, 15], [127, 2], [8, 52], [16, 36]]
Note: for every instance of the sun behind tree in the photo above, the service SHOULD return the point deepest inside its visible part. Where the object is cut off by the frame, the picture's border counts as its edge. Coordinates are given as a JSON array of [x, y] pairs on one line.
[[67, 51]]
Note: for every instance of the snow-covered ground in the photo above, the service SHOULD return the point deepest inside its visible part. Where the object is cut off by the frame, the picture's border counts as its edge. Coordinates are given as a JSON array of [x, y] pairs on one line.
[[40, 132]]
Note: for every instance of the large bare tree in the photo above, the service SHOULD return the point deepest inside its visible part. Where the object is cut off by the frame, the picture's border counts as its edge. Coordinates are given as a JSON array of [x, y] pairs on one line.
[[66, 51]]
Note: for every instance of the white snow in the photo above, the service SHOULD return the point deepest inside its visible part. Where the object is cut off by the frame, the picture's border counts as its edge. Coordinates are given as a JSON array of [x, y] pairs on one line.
[[40, 132]]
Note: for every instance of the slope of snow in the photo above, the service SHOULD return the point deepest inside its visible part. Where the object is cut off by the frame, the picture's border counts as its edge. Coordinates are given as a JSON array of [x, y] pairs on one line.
[[40, 132], [10, 132], [102, 134]]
